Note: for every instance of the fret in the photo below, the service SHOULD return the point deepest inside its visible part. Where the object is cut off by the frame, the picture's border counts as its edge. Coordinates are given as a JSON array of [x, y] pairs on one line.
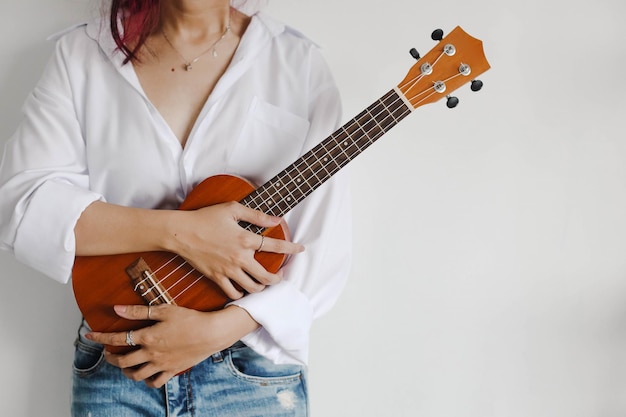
[[385, 117], [351, 143], [326, 158], [342, 138], [290, 188], [291, 191], [318, 167], [323, 164], [373, 116], [310, 169], [276, 188], [399, 111], [264, 200], [363, 137], [292, 185], [379, 112], [297, 191]]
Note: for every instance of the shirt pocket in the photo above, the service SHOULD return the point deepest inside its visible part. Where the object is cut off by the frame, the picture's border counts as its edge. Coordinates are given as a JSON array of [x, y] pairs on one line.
[[271, 139]]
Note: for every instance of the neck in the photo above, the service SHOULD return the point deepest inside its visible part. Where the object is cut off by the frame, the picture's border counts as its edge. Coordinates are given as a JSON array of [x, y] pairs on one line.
[[195, 20]]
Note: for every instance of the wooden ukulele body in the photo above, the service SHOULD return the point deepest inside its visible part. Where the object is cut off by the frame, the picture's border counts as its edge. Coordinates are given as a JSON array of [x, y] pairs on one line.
[[101, 282]]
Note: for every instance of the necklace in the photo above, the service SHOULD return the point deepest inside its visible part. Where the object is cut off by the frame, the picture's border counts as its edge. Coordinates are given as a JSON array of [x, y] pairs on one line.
[[188, 64]]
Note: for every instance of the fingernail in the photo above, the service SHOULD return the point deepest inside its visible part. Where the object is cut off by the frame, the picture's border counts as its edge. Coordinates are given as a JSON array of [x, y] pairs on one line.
[[120, 309], [88, 336]]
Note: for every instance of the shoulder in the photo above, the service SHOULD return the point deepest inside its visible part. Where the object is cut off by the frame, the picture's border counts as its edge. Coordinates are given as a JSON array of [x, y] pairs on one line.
[[79, 52], [77, 27], [284, 32], [84, 35], [289, 44], [84, 44], [71, 44]]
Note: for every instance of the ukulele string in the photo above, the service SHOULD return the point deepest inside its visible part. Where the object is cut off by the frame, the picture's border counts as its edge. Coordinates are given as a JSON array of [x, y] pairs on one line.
[[413, 83], [153, 283], [438, 58], [430, 92], [184, 290], [303, 165], [265, 200], [171, 273], [416, 79], [177, 267]]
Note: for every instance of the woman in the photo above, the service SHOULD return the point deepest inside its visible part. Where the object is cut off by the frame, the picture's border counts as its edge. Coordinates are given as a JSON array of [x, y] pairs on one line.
[[132, 112]]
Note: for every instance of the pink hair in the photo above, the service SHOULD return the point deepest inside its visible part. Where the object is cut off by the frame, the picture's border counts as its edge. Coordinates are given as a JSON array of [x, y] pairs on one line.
[[141, 18]]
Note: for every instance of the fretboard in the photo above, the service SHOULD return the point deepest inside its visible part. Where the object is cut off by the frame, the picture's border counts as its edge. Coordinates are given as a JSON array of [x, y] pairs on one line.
[[293, 184]]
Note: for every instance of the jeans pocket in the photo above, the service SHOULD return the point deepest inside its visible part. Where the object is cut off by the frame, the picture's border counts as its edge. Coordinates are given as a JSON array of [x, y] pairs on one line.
[[88, 356], [248, 365]]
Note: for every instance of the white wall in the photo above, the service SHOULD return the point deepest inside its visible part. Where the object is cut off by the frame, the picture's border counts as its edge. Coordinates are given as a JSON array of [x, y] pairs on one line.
[[489, 276]]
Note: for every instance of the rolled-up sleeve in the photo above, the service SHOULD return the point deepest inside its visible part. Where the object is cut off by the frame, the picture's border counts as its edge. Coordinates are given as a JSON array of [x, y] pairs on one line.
[[44, 181]]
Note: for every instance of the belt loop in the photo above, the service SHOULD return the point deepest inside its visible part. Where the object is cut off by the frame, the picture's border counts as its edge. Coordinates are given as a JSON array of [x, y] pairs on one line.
[[217, 357]]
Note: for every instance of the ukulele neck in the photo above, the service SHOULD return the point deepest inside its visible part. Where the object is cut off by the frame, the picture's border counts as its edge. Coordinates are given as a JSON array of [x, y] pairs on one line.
[[293, 184]]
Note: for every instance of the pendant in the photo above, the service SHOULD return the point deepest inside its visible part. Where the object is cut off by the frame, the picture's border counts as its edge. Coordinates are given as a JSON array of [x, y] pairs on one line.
[[188, 67]]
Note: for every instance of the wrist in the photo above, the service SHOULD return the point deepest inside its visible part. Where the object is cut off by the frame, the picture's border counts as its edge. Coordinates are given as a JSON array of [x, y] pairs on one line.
[[170, 237], [230, 325]]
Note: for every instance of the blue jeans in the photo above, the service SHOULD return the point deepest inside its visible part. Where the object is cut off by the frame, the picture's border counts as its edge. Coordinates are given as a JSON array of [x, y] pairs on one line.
[[234, 382]]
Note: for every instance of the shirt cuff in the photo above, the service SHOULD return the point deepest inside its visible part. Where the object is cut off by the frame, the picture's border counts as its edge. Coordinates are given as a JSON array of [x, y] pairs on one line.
[[45, 238], [286, 316]]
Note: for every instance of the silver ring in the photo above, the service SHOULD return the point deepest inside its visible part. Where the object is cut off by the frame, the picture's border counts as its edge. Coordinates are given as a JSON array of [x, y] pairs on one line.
[[129, 338], [149, 307], [261, 245]]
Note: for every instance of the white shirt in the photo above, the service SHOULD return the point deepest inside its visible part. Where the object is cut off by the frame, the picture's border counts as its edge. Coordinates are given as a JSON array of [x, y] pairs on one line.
[[90, 133]]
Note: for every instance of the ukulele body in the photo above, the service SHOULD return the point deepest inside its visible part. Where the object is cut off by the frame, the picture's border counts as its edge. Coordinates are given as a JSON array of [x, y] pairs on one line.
[[101, 282]]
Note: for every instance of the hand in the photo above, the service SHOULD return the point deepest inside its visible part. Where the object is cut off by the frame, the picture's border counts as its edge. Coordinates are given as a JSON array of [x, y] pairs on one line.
[[180, 339], [212, 241]]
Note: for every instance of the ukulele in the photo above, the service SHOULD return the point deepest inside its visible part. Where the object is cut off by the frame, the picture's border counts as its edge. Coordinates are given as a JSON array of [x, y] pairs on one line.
[[152, 278]]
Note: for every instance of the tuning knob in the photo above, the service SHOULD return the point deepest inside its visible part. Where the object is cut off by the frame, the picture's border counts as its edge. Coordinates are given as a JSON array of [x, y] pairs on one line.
[[437, 35], [452, 102], [476, 85], [414, 53]]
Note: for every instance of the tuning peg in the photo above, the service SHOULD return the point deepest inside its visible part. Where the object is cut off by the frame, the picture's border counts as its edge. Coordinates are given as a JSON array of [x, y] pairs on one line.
[[452, 102], [437, 35], [476, 85], [414, 53]]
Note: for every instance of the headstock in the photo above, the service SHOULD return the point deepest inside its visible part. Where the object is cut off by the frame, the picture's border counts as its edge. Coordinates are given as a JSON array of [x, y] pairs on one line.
[[456, 60]]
